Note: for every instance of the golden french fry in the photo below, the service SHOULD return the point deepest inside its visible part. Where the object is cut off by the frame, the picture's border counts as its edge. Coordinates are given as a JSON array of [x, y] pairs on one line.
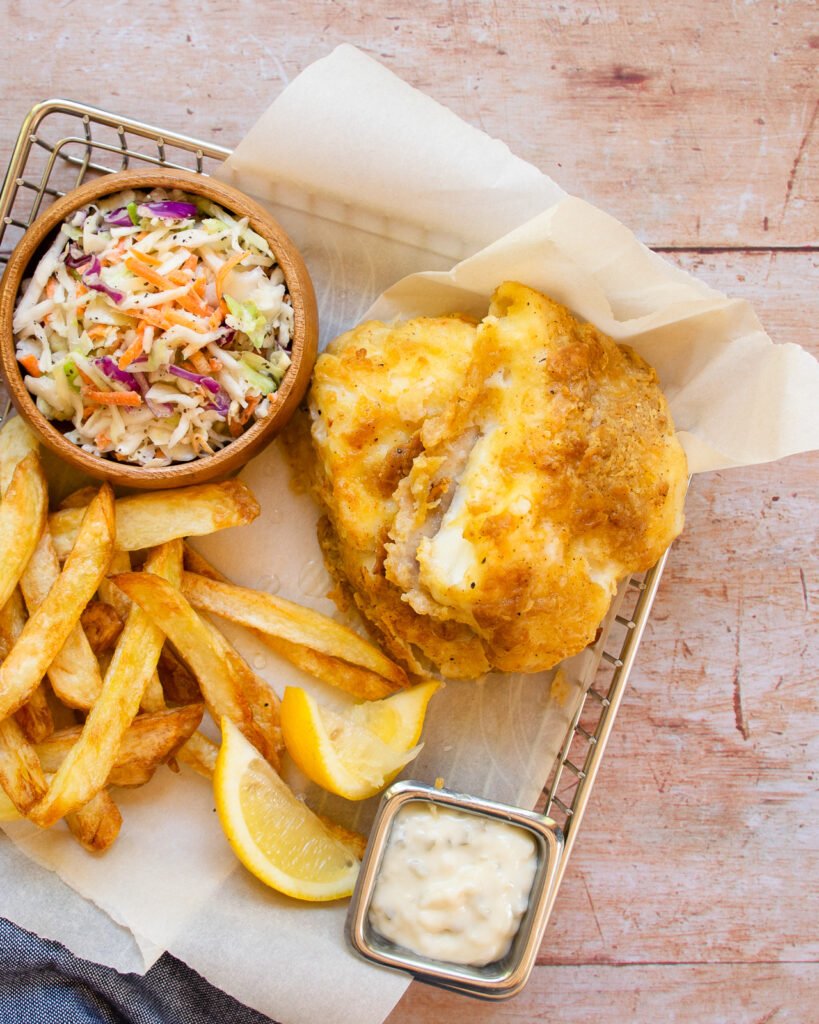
[[21, 774], [358, 682], [102, 625], [147, 520], [199, 753], [261, 698], [120, 562], [34, 717], [148, 742], [22, 518], [79, 498], [74, 672], [288, 621], [49, 627], [96, 825], [179, 684], [88, 764], [222, 675], [16, 442]]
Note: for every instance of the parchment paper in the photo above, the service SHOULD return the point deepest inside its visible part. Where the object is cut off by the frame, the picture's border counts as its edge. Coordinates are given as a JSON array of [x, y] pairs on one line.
[[377, 183]]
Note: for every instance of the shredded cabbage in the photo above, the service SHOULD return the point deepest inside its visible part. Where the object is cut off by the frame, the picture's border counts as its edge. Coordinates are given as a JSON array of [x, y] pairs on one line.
[[123, 332]]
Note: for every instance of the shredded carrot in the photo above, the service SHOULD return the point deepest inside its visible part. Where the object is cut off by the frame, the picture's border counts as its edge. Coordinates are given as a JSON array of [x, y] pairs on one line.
[[102, 439], [215, 365], [51, 288], [81, 290], [134, 349], [199, 362], [97, 333], [30, 363], [88, 410], [189, 302], [182, 321], [151, 316], [246, 413], [191, 262], [86, 379], [113, 397], [152, 261], [219, 315], [225, 269], [199, 286]]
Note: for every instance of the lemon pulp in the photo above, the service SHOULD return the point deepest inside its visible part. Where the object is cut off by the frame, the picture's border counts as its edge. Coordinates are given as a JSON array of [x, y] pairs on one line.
[[274, 834]]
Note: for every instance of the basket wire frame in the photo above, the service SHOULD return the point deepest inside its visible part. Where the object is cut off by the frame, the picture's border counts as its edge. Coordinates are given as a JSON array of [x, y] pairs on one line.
[[63, 143]]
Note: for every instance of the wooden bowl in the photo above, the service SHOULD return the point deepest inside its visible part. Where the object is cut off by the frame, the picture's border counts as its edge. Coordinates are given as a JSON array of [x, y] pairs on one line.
[[285, 400]]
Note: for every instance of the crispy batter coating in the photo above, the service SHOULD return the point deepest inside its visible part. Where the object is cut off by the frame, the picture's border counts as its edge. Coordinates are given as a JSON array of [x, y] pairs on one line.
[[487, 487]]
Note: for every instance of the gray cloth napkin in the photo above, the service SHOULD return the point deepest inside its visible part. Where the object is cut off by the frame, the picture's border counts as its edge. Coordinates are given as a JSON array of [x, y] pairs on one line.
[[42, 983]]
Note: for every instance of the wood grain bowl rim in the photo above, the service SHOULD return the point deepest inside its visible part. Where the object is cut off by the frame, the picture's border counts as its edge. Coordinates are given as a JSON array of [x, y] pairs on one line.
[[303, 345]]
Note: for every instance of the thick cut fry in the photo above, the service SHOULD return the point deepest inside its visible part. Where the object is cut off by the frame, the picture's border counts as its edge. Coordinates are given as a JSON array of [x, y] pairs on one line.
[[96, 825], [74, 672], [102, 624], [148, 742], [357, 681], [22, 518], [16, 442], [221, 677], [263, 702], [34, 717], [179, 684], [199, 753], [21, 774], [120, 562], [79, 498], [288, 621], [49, 627], [88, 764], [147, 520]]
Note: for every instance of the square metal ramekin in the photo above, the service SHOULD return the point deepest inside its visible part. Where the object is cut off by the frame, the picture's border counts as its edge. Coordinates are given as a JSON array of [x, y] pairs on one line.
[[499, 980]]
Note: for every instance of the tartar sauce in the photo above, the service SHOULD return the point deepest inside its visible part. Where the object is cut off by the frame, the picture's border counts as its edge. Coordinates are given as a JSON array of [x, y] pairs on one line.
[[453, 885]]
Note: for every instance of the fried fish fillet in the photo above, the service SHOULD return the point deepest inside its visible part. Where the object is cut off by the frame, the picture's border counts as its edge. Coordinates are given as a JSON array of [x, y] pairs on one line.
[[372, 391], [487, 487]]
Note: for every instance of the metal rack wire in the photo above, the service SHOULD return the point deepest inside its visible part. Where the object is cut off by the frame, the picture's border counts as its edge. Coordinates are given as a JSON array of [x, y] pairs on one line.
[[63, 143]]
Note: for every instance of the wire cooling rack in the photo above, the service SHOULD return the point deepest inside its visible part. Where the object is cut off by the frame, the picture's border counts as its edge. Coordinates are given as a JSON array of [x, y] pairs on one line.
[[62, 144]]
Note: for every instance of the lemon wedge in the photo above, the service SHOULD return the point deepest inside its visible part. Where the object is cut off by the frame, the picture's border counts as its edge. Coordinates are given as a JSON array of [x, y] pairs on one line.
[[272, 832], [354, 753]]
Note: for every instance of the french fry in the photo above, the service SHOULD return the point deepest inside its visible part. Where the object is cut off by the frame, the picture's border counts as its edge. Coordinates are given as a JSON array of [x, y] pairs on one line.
[[48, 628], [221, 674], [148, 520], [179, 684], [79, 498], [199, 753], [288, 621], [102, 624], [120, 562], [34, 717], [358, 682], [21, 774], [88, 764], [74, 672], [96, 825], [16, 442], [148, 742], [22, 518]]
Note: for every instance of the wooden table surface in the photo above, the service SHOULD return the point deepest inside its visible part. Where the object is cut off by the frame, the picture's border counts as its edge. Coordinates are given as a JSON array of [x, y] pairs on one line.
[[693, 893]]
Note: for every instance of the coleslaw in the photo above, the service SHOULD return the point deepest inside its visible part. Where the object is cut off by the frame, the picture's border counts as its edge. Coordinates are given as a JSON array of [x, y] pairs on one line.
[[157, 325]]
